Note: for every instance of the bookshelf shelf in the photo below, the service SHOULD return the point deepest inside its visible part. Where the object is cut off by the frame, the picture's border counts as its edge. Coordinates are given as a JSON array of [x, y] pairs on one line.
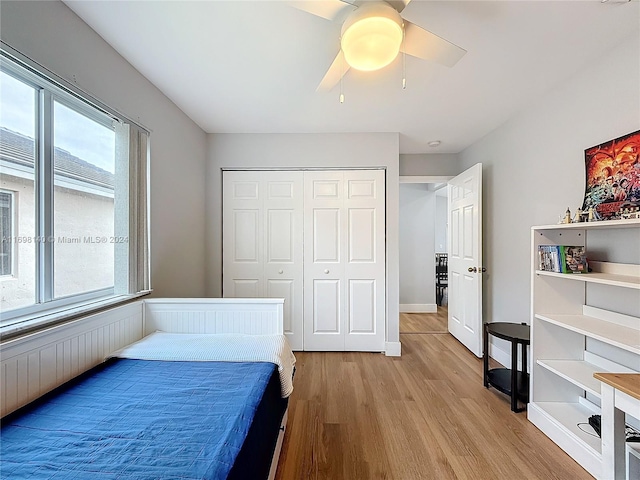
[[606, 224], [568, 415], [578, 372], [626, 338], [625, 281]]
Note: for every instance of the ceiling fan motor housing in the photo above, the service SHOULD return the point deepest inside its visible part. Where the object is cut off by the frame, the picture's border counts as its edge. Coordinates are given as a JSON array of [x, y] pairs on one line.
[[371, 36]]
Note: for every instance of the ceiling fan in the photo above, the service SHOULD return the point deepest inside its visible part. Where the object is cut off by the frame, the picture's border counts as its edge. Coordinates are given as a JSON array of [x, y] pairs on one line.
[[373, 33]]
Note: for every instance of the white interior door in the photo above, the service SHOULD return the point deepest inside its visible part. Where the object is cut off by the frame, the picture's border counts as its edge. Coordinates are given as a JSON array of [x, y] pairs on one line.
[[263, 241], [465, 258], [344, 266]]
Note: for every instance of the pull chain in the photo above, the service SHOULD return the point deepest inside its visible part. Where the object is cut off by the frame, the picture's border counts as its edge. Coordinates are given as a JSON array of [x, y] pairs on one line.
[[341, 75], [404, 61]]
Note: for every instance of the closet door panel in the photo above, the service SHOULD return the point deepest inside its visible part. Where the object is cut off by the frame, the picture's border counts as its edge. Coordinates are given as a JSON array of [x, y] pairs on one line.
[[323, 265], [280, 236], [326, 307], [344, 260], [262, 241], [242, 238], [246, 227], [362, 240], [245, 288], [283, 265], [285, 289], [362, 306], [364, 266], [326, 235]]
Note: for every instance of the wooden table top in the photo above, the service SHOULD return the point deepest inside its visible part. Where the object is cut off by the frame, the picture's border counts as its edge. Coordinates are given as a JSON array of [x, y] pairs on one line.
[[628, 383]]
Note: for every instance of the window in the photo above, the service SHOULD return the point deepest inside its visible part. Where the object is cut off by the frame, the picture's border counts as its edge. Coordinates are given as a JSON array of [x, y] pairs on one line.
[[6, 233], [79, 233], [83, 199]]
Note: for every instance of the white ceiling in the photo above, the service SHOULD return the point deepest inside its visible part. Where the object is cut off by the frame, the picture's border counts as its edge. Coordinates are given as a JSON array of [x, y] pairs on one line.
[[253, 66]]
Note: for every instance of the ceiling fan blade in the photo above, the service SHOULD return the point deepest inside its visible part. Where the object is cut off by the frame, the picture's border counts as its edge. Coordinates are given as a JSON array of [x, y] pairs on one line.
[[421, 43], [399, 5], [329, 9], [336, 71]]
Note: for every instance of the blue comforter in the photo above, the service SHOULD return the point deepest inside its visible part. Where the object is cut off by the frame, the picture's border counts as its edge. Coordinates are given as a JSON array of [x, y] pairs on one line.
[[136, 419]]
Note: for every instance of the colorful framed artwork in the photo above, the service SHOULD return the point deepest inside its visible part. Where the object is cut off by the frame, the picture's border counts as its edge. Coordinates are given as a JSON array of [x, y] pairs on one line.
[[613, 178]]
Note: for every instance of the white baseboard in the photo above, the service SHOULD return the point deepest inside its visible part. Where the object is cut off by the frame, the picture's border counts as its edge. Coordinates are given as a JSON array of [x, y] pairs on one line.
[[504, 357], [499, 355], [392, 349], [577, 449], [418, 308]]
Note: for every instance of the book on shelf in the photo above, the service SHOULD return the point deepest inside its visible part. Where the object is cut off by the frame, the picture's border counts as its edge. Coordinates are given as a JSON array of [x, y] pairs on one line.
[[549, 258], [562, 259], [574, 259]]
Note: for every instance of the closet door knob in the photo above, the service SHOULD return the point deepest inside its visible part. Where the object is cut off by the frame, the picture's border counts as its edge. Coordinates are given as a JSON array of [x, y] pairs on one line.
[[280, 271], [326, 271], [472, 269]]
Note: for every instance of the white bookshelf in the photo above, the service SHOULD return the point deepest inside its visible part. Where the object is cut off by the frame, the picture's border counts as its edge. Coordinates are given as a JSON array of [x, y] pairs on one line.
[[571, 339]]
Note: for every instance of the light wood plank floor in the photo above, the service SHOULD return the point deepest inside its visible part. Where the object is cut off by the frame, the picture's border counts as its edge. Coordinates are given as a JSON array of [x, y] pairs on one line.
[[424, 322], [424, 415]]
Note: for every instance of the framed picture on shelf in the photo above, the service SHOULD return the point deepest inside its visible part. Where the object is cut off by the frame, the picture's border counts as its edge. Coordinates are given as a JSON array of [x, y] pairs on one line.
[[613, 178]]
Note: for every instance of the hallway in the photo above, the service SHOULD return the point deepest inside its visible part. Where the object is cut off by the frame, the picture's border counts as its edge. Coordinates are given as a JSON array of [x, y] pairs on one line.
[[424, 322]]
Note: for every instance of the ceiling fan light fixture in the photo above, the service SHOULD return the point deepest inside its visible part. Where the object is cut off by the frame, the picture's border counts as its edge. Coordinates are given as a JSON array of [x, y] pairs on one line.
[[371, 36]]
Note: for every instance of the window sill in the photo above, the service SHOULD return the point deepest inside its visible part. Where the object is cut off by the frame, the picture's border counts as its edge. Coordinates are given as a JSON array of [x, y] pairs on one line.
[[29, 323]]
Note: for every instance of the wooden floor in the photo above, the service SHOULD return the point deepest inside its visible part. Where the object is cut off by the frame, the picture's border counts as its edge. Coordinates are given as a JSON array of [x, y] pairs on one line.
[[424, 322], [424, 415]]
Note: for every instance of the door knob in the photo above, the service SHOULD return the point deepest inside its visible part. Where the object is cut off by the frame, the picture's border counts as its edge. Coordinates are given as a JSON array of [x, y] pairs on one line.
[[326, 271], [280, 271], [473, 269], [483, 269]]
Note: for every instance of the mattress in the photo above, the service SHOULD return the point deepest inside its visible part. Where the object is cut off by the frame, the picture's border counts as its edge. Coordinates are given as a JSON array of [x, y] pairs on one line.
[[143, 419]]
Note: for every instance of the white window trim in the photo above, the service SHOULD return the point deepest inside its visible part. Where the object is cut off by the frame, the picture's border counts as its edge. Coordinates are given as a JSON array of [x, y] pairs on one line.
[[11, 274]]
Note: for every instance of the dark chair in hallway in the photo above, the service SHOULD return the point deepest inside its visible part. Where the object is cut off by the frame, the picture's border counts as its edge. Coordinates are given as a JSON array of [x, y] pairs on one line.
[[442, 277]]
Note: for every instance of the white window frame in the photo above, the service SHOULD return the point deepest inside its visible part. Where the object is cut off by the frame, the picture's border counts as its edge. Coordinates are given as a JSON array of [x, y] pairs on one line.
[[10, 238], [52, 89]]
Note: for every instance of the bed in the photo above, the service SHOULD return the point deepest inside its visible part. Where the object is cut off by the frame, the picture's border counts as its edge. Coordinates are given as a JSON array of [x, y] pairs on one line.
[[172, 405]]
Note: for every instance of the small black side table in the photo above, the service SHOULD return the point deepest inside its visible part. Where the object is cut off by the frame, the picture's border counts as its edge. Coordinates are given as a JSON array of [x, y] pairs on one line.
[[509, 381]]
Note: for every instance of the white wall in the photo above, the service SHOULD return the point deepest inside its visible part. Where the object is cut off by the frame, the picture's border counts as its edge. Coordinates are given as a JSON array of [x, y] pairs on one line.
[[356, 150], [52, 35], [432, 164], [533, 168], [417, 248]]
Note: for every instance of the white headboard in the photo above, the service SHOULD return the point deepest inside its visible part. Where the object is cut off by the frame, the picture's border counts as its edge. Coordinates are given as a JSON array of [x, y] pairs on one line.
[[252, 316]]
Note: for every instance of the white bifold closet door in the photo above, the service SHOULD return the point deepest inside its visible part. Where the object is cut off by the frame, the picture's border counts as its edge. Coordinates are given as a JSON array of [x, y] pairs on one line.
[[344, 260], [262, 241], [316, 239]]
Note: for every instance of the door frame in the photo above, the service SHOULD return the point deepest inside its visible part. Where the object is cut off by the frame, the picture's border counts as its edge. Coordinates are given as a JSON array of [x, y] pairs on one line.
[[441, 180]]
